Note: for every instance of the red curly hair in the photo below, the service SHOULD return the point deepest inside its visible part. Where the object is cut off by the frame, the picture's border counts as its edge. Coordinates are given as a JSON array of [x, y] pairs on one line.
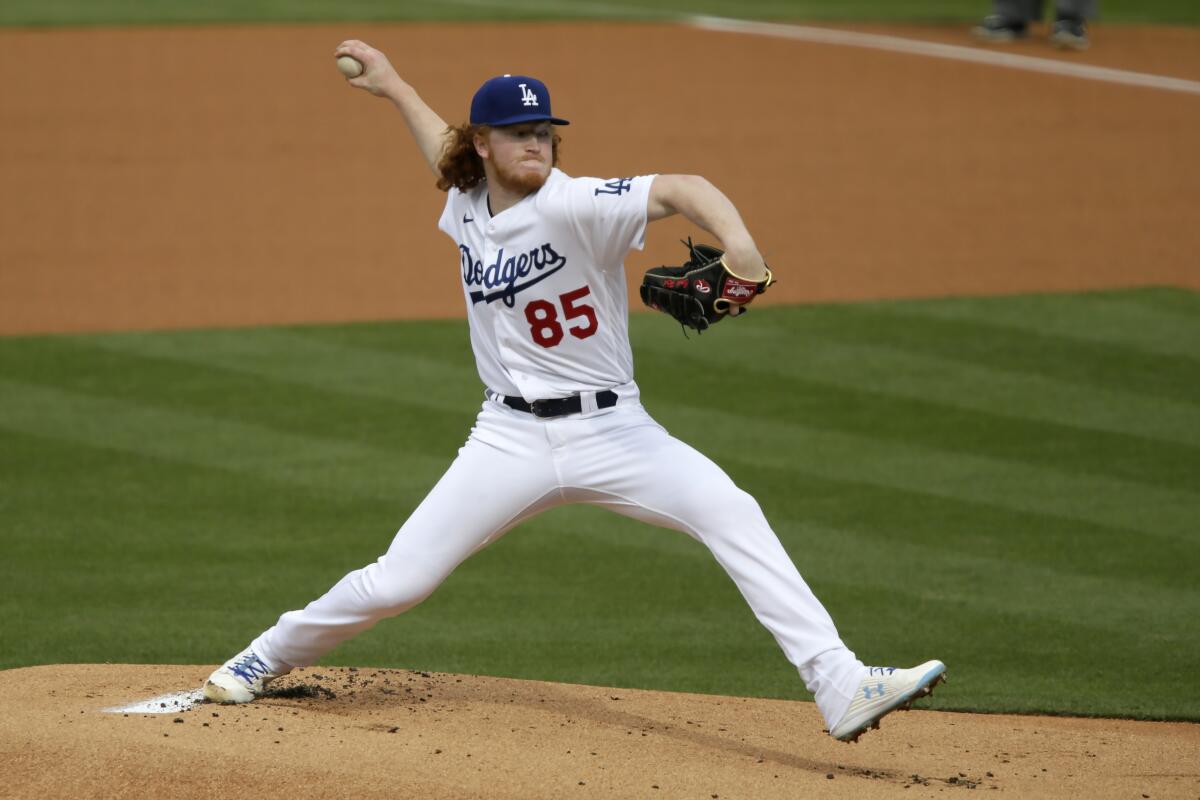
[[460, 166]]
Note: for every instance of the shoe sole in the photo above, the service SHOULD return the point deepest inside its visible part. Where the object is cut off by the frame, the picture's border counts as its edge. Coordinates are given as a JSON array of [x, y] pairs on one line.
[[1069, 42], [923, 689], [996, 37], [216, 693]]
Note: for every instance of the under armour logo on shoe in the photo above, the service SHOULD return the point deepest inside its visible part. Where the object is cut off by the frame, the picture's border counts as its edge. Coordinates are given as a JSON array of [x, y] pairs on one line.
[[527, 97], [878, 691]]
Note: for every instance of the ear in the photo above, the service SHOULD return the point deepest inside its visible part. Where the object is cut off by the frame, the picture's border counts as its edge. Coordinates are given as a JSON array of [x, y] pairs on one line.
[[481, 145]]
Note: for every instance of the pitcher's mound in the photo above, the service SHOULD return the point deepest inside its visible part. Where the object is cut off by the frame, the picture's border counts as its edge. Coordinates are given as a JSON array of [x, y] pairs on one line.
[[362, 733]]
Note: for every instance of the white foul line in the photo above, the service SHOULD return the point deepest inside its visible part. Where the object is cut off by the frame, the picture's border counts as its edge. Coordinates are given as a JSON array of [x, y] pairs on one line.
[[896, 44]]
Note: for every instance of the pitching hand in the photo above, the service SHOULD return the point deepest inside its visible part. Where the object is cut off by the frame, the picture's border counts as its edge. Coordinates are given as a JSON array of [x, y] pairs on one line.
[[378, 77]]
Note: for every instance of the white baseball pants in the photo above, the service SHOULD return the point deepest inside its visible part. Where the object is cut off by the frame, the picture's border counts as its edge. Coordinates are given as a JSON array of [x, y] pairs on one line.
[[514, 466]]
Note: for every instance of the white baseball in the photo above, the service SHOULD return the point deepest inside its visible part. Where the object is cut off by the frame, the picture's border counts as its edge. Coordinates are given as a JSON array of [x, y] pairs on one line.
[[349, 66]]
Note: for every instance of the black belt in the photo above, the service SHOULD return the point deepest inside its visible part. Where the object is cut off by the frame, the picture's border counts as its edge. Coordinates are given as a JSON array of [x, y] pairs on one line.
[[560, 406]]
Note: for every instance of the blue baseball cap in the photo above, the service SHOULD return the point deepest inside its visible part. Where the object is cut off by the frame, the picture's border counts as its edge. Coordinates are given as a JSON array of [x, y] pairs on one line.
[[509, 99]]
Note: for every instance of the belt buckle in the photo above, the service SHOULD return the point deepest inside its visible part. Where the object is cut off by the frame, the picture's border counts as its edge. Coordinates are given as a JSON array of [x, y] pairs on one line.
[[541, 408]]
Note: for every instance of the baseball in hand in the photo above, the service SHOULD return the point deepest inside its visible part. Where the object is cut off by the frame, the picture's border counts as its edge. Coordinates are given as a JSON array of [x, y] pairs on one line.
[[350, 67]]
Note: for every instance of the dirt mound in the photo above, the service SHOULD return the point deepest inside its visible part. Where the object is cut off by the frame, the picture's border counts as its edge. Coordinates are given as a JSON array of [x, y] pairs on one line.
[[342, 732]]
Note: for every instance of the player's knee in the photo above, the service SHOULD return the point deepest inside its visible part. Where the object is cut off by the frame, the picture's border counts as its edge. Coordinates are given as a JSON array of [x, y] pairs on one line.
[[394, 600], [735, 501], [400, 588]]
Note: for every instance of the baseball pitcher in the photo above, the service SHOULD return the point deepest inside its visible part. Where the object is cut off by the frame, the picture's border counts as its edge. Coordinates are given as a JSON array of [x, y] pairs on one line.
[[540, 258]]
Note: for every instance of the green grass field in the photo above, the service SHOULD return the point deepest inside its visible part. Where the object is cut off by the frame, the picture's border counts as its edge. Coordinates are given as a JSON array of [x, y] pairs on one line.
[[106, 12], [1009, 484]]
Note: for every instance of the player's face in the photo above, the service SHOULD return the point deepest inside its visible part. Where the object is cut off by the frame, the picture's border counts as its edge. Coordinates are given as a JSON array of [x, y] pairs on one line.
[[521, 155]]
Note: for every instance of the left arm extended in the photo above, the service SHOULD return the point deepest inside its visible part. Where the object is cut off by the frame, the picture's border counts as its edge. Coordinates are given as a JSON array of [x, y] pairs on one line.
[[706, 206]]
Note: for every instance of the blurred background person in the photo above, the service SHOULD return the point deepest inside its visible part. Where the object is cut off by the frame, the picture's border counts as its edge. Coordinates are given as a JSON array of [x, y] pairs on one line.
[[1010, 21]]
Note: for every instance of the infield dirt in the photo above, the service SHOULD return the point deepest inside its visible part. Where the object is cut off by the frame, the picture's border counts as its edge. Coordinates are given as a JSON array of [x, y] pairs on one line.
[[399, 733], [225, 176], [158, 178]]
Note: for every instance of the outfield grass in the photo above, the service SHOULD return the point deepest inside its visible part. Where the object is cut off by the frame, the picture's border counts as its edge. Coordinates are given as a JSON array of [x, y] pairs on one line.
[[108, 12], [1010, 484]]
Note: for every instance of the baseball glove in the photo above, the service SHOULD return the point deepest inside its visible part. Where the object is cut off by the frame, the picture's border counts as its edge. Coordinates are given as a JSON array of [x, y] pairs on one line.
[[702, 291]]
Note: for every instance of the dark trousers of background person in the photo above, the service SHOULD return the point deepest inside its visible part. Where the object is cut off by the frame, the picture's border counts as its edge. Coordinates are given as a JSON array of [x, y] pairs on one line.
[[1031, 10]]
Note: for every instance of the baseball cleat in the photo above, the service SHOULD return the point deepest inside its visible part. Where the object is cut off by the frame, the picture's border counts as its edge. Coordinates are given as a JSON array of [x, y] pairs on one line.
[[996, 29], [240, 679], [881, 692], [1070, 34]]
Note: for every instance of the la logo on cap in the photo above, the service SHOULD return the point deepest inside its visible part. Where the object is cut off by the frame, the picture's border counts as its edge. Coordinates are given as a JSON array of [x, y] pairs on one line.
[[527, 96]]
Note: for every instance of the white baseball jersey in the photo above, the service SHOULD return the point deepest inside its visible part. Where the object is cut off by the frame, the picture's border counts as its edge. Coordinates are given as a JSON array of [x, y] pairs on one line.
[[545, 292], [544, 283]]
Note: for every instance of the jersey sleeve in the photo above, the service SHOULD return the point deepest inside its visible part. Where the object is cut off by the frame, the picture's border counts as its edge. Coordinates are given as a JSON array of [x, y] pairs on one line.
[[609, 214]]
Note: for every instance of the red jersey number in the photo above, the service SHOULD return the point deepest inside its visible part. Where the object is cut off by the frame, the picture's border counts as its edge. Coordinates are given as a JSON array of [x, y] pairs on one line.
[[571, 311], [544, 326], [542, 317]]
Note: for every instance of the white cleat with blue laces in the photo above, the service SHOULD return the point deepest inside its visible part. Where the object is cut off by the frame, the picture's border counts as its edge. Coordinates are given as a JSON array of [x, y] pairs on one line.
[[882, 691], [240, 679]]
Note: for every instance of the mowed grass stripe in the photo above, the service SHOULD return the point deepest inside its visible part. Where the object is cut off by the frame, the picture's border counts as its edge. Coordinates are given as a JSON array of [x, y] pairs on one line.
[[888, 595], [1160, 321], [868, 517], [841, 522], [980, 342], [191, 438], [142, 523], [1016, 486], [1168, 300], [411, 381], [117, 556], [1004, 393], [372, 397], [1016, 586], [985, 556], [884, 369], [946, 405], [1023, 664], [355, 399]]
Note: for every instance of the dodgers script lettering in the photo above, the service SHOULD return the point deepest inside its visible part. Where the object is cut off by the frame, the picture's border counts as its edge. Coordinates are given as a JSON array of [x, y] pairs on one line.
[[503, 279]]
